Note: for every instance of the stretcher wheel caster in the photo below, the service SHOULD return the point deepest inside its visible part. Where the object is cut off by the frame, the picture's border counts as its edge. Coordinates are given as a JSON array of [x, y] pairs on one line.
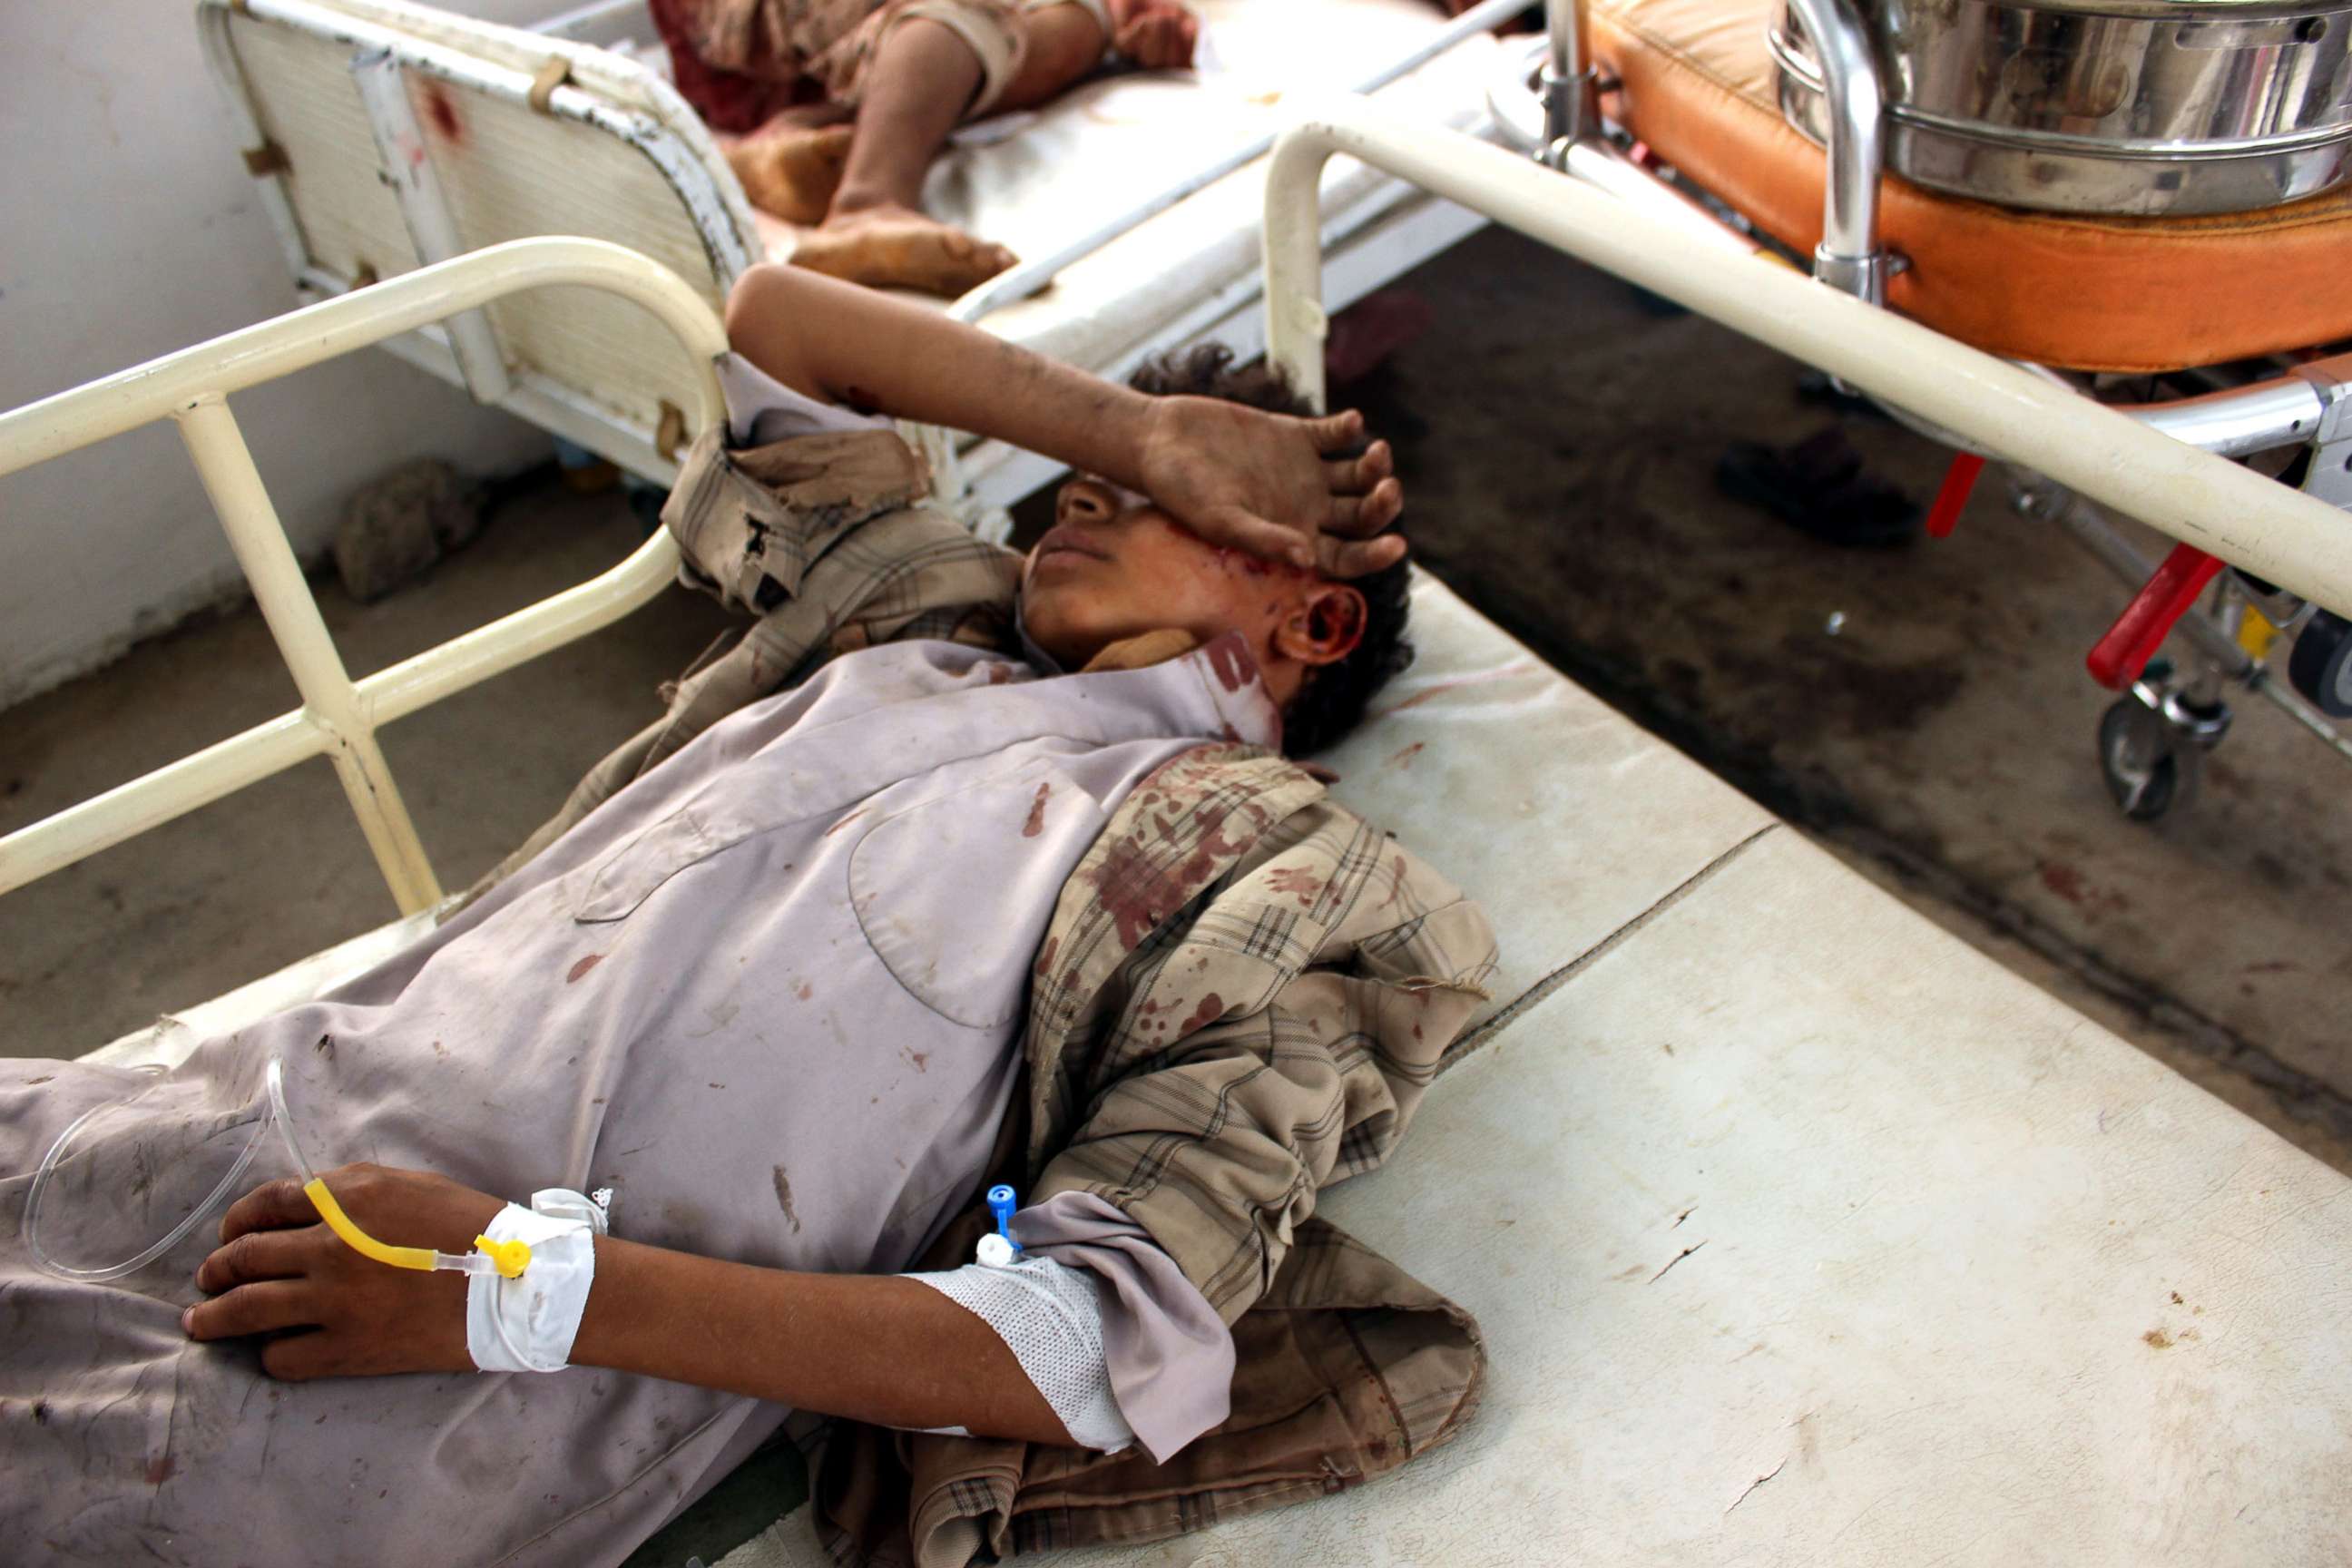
[[2148, 764], [2321, 664]]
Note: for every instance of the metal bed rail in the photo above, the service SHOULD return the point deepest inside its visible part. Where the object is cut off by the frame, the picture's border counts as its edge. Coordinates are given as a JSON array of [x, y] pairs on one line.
[[2290, 539], [340, 716]]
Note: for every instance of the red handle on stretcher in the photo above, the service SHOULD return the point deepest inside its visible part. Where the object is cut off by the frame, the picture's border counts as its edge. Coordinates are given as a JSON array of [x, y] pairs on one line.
[[2117, 657], [1959, 480]]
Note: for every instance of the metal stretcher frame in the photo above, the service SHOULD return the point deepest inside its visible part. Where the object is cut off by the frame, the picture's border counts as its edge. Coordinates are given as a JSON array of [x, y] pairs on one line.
[[1550, 108], [340, 716]]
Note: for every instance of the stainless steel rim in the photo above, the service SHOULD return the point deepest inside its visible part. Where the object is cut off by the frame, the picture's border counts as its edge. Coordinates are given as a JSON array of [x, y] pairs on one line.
[[1803, 74]]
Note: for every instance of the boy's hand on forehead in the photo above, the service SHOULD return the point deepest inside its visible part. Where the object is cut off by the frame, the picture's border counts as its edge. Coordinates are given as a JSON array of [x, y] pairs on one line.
[[1269, 484]]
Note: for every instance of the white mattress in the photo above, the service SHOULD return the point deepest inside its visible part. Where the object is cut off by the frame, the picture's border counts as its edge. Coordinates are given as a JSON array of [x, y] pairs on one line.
[[1799, 1233], [1755, 1173], [1035, 183]]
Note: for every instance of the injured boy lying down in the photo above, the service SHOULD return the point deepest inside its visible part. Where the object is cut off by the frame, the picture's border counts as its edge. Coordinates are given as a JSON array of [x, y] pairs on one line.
[[956, 868]]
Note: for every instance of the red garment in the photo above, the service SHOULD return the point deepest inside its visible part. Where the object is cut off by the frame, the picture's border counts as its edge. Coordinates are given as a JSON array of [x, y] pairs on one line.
[[727, 101]]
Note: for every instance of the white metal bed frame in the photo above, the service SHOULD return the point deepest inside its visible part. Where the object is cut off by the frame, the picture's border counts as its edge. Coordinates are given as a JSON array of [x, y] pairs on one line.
[[339, 717], [463, 349], [2189, 493], [2294, 540], [2289, 538], [622, 99]]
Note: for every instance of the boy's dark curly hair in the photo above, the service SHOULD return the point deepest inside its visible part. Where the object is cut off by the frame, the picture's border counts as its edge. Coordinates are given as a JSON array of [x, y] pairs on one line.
[[1334, 697]]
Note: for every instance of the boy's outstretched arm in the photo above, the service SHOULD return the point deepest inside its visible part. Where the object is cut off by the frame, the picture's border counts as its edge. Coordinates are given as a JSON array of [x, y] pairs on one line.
[[875, 1348], [1266, 483]]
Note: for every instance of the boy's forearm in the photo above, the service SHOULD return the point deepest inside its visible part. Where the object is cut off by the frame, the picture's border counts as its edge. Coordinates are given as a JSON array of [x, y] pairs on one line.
[[872, 1348], [852, 345]]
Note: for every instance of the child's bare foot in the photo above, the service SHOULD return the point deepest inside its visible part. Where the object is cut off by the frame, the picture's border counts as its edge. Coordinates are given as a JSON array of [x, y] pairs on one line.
[[790, 171], [891, 246]]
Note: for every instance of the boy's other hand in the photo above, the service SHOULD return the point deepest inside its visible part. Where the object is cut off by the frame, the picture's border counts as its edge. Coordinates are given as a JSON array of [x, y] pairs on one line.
[[1266, 484], [1153, 34], [328, 1311]]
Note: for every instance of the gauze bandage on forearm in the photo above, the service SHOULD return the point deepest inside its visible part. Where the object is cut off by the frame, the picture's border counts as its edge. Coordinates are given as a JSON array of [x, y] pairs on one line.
[[1050, 1316], [527, 1324]]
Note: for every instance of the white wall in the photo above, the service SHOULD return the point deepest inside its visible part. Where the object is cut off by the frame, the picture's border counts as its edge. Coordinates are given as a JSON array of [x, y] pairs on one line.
[[128, 228]]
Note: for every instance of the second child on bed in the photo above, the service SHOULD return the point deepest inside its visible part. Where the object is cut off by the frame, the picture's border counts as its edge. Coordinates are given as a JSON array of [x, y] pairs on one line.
[[832, 111]]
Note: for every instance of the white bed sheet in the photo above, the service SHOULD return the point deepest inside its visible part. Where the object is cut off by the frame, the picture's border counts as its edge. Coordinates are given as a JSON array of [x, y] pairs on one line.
[[1799, 1233], [1035, 183]]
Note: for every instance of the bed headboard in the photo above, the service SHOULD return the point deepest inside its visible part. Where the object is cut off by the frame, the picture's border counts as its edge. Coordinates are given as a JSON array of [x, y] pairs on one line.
[[387, 135]]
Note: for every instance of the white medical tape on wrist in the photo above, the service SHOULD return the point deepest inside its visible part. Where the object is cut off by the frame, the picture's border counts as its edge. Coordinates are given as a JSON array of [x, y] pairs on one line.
[[527, 1324]]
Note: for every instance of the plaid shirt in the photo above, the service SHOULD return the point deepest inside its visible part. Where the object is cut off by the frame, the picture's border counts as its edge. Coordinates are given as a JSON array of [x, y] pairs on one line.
[[1242, 995]]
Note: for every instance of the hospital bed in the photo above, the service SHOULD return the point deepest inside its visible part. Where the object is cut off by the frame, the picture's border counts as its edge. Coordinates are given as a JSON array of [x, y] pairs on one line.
[[382, 134], [2143, 201], [1799, 1233]]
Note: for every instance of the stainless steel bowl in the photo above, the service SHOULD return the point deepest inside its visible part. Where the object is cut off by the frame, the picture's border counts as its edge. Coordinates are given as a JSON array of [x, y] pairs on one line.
[[2114, 106]]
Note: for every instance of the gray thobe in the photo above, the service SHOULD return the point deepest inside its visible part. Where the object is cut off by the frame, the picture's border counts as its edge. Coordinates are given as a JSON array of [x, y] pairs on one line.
[[770, 995]]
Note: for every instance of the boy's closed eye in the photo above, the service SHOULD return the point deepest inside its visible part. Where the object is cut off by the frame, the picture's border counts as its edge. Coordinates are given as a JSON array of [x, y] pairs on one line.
[[1113, 566]]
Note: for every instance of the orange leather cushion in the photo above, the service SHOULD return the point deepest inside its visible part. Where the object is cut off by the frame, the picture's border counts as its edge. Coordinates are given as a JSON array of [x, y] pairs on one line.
[[2085, 293]]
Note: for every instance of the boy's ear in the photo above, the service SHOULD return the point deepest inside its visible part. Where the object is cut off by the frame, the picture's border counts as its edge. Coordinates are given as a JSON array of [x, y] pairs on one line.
[[1324, 627]]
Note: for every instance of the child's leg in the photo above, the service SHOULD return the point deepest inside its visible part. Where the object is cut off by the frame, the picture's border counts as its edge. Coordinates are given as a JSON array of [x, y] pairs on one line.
[[923, 80], [791, 169], [795, 164]]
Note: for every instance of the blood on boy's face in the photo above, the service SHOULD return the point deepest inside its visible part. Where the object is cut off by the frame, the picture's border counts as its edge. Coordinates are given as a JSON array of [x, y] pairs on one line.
[[1114, 566]]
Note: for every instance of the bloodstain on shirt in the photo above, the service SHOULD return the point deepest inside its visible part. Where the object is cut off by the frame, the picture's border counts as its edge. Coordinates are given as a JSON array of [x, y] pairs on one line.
[[1211, 1008], [1231, 661], [1295, 879], [1036, 823], [1138, 890], [584, 966], [785, 1198]]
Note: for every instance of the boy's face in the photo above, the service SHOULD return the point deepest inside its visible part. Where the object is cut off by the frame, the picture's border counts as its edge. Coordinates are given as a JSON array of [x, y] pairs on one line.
[[1114, 566]]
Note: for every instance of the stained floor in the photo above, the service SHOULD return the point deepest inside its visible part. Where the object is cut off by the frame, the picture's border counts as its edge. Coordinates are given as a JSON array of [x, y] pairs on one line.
[[1921, 711]]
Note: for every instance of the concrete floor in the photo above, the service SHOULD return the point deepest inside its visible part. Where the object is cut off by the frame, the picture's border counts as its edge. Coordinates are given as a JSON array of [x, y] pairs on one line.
[[256, 881], [1942, 740], [1558, 436]]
